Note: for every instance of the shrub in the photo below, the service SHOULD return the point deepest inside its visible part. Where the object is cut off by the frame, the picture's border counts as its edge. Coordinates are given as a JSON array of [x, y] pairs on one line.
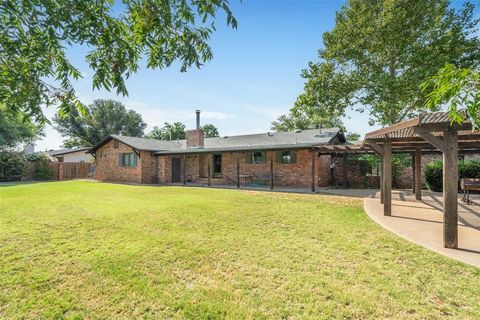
[[434, 175], [12, 166], [42, 169], [434, 172]]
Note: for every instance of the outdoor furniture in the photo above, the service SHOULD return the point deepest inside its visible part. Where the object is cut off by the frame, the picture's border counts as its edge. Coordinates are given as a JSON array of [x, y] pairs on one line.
[[468, 184], [245, 179]]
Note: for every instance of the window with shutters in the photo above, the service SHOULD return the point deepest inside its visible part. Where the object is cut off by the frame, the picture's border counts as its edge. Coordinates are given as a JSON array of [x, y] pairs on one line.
[[286, 156], [128, 159], [258, 157]]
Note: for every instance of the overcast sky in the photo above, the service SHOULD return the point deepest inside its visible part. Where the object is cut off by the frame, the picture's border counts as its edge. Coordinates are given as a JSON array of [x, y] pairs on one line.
[[253, 78]]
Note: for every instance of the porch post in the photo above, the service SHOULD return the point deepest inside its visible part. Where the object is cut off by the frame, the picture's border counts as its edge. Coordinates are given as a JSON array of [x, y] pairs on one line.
[[238, 174], [209, 174], [312, 172], [418, 173], [387, 178], [184, 169], [271, 174], [450, 188]]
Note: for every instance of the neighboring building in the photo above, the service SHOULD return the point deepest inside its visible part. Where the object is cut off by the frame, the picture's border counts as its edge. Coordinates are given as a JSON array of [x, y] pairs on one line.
[[72, 155], [140, 160]]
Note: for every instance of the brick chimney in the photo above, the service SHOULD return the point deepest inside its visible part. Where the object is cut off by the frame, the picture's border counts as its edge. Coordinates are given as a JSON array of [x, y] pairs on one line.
[[195, 138]]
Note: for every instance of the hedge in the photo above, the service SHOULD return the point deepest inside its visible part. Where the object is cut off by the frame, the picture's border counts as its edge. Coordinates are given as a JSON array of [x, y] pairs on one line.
[[434, 172], [12, 166]]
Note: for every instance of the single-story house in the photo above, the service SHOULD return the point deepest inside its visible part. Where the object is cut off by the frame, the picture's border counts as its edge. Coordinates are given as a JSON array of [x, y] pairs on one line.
[[72, 155], [245, 159]]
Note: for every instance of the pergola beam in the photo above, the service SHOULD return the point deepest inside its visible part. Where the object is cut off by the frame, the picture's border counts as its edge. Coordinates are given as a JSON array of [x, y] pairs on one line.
[[428, 136]]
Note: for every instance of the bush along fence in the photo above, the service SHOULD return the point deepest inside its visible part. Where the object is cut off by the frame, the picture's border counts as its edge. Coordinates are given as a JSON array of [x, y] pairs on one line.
[[15, 166], [434, 171]]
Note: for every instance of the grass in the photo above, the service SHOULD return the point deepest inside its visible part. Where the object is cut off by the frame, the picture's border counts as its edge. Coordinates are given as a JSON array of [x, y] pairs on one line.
[[91, 250]]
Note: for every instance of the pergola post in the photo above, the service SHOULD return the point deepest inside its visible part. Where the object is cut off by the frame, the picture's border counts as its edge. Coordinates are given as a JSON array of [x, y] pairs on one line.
[[418, 173], [387, 178], [382, 182], [450, 188], [312, 172], [413, 172]]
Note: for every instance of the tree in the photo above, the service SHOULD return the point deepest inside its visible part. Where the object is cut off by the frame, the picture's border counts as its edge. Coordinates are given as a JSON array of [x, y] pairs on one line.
[[174, 131], [210, 131], [104, 117], [35, 69], [378, 54], [15, 129], [302, 119], [459, 89], [352, 136]]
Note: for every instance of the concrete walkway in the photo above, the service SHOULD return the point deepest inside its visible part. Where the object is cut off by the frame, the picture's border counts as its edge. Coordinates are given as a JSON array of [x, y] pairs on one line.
[[422, 221]]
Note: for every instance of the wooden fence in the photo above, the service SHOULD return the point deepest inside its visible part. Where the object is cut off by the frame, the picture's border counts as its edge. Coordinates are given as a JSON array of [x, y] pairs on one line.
[[74, 170], [64, 170]]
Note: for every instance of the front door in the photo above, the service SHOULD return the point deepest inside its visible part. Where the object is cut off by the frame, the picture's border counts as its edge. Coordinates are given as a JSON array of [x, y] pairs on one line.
[[176, 169], [217, 165]]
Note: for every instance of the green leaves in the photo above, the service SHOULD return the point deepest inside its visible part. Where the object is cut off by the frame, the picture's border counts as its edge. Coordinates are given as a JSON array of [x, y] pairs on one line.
[[85, 126], [210, 131], [35, 71], [170, 131], [378, 54], [459, 89]]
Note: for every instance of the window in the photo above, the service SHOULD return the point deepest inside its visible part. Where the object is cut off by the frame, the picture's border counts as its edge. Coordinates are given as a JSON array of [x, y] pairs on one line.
[[115, 144], [286, 156], [127, 159]]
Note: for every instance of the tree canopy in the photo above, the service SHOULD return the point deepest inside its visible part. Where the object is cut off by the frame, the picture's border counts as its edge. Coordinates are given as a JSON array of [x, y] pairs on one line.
[[210, 131], [378, 54], [35, 69], [104, 117], [170, 131], [15, 129]]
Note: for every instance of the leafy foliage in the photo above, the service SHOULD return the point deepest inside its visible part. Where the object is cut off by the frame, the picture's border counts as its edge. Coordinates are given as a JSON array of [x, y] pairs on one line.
[[297, 119], [434, 175], [12, 166], [434, 172], [210, 131], [459, 89], [399, 163], [378, 54], [42, 170], [34, 67], [15, 129], [103, 117], [170, 131], [352, 136]]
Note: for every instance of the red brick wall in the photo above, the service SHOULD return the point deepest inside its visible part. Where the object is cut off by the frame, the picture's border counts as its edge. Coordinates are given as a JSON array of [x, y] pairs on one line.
[[108, 168], [295, 174]]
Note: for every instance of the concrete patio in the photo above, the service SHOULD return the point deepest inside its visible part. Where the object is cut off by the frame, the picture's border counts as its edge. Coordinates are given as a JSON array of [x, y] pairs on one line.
[[422, 221]]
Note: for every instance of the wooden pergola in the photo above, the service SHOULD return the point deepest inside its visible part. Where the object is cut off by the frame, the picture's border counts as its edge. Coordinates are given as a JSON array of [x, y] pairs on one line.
[[427, 132]]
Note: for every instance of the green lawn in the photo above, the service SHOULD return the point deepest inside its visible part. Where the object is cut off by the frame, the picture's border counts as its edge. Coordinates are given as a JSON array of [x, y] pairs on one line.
[[93, 250]]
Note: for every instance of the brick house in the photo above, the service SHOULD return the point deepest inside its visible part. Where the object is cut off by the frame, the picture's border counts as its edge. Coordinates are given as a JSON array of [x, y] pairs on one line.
[[244, 159]]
